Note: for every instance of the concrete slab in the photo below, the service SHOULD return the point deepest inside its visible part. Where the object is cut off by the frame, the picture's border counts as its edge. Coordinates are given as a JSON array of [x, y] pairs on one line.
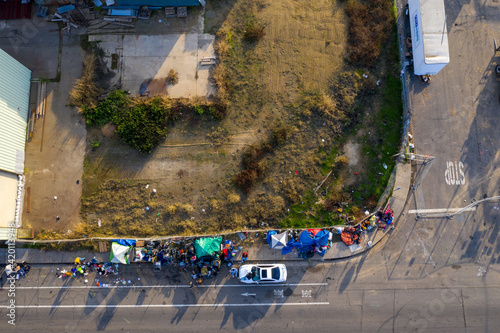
[[145, 57]]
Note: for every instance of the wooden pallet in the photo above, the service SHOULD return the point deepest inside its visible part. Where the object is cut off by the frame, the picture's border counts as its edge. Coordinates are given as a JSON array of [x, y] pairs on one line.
[[103, 246]]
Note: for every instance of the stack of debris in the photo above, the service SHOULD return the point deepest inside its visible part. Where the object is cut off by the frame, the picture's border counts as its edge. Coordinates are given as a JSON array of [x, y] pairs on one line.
[[72, 16]]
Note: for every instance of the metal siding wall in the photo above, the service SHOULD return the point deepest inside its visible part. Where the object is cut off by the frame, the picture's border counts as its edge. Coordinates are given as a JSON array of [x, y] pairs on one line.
[[15, 82], [158, 3]]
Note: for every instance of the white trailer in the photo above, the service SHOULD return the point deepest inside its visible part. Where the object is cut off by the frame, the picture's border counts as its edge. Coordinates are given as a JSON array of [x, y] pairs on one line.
[[429, 36]]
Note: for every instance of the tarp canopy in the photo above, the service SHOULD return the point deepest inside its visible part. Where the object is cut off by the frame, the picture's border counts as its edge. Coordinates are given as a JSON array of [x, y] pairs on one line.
[[207, 246], [307, 241], [125, 242], [278, 241], [9, 270], [120, 253], [269, 234]]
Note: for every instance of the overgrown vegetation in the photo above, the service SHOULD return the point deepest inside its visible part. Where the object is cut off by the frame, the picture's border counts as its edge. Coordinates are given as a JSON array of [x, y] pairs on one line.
[[85, 91], [252, 168], [381, 146], [370, 22], [290, 72], [253, 32], [143, 123]]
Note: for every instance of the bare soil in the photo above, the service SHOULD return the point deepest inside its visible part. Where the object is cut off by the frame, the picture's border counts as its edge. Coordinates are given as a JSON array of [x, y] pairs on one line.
[[192, 171]]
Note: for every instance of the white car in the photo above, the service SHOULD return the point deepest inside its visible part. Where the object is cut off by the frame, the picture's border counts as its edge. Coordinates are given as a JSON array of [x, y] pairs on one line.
[[275, 273]]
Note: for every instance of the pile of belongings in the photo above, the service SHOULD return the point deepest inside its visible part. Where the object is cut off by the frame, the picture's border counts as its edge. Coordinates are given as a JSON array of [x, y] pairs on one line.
[[384, 218], [229, 252], [19, 270], [350, 235], [308, 242], [144, 254]]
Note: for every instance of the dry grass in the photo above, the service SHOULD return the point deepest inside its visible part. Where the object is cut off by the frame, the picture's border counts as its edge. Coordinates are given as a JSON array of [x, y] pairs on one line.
[[304, 43], [294, 75], [85, 92], [173, 77], [371, 21]]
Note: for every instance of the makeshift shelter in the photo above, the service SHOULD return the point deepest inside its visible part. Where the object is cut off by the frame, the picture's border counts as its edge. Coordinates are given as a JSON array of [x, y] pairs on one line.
[[277, 241], [120, 251], [9, 270], [308, 242], [207, 246]]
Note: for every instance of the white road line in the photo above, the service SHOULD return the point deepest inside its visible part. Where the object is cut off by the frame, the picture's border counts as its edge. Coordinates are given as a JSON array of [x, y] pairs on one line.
[[175, 286], [440, 210], [102, 306]]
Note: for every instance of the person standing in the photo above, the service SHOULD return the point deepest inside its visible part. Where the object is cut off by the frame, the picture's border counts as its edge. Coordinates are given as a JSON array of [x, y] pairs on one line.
[[244, 257]]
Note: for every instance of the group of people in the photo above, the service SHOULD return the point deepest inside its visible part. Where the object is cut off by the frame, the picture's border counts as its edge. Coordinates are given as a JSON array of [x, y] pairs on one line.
[[382, 219], [205, 269], [82, 268], [21, 269]]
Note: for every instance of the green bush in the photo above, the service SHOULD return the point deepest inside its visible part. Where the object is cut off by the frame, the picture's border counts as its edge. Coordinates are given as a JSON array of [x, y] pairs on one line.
[[143, 126], [107, 110], [142, 123]]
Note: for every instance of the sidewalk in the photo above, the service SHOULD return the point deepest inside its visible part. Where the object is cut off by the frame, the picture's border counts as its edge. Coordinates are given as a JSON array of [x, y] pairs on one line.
[[259, 252]]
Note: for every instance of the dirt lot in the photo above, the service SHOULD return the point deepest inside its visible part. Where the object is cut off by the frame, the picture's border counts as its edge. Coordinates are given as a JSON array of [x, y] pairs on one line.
[[289, 78], [192, 170]]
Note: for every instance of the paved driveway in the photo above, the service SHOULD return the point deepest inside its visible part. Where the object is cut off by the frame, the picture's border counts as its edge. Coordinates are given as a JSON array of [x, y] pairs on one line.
[[456, 117], [146, 57]]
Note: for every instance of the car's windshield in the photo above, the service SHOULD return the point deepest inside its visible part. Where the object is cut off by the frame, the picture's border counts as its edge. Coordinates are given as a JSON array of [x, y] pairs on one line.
[[255, 273], [275, 273]]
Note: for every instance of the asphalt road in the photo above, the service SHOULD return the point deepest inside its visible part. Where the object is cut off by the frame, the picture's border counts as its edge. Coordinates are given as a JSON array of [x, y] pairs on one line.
[[379, 292]]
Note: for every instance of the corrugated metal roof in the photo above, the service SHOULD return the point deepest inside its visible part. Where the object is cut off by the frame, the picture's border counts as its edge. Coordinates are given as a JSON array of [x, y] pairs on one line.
[[15, 82], [158, 3]]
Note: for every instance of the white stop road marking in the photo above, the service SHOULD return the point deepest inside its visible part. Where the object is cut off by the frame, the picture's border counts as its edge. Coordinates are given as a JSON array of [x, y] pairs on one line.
[[454, 173]]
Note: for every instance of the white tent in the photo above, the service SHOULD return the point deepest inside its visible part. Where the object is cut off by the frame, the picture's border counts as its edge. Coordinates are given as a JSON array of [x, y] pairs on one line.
[[9, 270], [278, 241], [120, 253]]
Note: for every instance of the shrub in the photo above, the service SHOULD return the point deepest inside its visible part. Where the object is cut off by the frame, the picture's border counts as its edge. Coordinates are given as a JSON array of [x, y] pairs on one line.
[[369, 26], [246, 178], [233, 198], [142, 123], [143, 126], [253, 32], [173, 77], [107, 110], [341, 161], [198, 109], [85, 90]]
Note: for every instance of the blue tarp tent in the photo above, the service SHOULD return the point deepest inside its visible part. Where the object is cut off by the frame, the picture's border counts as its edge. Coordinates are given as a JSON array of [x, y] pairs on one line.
[[306, 242], [124, 242]]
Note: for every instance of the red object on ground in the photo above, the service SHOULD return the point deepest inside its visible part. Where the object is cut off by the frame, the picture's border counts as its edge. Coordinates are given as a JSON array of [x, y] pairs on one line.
[[348, 236], [356, 173], [14, 9], [314, 231]]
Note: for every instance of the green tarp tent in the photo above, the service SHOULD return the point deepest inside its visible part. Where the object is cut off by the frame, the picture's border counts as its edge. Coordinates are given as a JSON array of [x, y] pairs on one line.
[[207, 246]]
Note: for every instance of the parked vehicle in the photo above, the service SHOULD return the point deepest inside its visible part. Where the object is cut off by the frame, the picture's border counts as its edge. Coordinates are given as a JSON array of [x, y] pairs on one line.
[[429, 37], [275, 273]]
